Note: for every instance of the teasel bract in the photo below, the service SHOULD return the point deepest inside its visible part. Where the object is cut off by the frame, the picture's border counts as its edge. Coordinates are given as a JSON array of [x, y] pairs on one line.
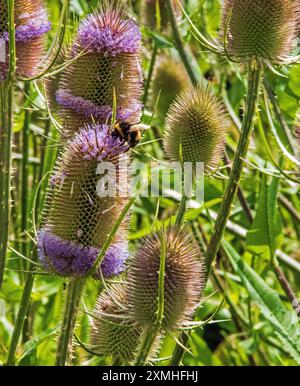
[[196, 127], [78, 217], [32, 25], [263, 29], [112, 332], [105, 57], [183, 279], [169, 80]]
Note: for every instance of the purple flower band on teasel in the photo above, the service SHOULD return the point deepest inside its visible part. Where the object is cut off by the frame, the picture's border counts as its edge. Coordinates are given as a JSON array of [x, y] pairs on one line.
[[67, 258], [35, 25], [96, 142], [109, 33], [88, 108]]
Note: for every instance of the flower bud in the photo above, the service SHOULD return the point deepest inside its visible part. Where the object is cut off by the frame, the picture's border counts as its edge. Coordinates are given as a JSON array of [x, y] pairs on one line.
[[196, 126], [170, 79], [80, 210], [264, 29], [183, 279]]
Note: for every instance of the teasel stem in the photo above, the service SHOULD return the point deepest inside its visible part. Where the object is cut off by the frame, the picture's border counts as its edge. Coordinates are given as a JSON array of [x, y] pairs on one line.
[[186, 190], [23, 309], [179, 45], [254, 77], [65, 342], [6, 142], [152, 332], [150, 73], [25, 153]]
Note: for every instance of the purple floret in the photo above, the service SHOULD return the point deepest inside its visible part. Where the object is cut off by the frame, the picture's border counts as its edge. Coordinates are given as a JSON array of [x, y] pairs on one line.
[[96, 142], [109, 33], [36, 24], [67, 258], [89, 109]]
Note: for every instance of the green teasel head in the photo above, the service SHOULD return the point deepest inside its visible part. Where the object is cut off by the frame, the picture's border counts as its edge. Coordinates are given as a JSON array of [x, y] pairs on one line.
[[263, 29], [105, 59], [196, 126], [169, 80], [183, 279], [112, 332]]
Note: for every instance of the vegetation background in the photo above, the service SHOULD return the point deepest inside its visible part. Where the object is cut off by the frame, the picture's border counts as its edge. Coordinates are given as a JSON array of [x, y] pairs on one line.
[[256, 324]]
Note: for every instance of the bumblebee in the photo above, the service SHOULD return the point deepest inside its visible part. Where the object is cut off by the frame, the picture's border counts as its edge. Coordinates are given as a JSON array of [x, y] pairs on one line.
[[129, 133]]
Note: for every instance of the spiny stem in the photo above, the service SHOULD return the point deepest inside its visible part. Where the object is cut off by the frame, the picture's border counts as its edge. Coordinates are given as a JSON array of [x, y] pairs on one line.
[[150, 73], [6, 142], [25, 154], [179, 45], [21, 313], [254, 76], [65, 342]]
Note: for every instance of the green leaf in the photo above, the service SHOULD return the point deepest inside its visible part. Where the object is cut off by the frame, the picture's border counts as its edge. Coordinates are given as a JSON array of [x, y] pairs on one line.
[[29, 356], [285, 323], [265, 234]]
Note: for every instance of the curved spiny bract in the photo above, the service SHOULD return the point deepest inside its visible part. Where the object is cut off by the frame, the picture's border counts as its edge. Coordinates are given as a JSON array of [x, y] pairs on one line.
[[196, 123], [264, 29], [32, 24], [107, 52], [183, 279], [111, 334], [169, 80], [78, 215]]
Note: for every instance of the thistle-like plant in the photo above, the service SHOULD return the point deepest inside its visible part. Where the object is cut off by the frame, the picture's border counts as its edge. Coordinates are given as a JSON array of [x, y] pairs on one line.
[[165, 281], [104, 58], [169, 80], [112, 332], [182, 283], [31, 26], [262, 29], [79, 214], [196, 127]]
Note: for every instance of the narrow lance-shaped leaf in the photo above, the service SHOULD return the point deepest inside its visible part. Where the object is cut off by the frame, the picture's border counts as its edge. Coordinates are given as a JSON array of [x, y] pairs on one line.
[[265, 234], [284, 322]]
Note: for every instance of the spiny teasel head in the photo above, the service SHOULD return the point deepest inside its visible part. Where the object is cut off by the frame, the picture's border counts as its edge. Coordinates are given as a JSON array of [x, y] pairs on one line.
[[169, 80], [150, 15], [196, 126], [78, 215], [183, 279], [32, 25], [107, 58], [263, 29], [112, 332]]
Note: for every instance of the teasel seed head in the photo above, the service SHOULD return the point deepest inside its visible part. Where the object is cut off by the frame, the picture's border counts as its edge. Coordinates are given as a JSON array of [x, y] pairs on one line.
[[111, 334], [149, 14], [183, 279], [196, 126], [77, 218], [263, 29], [107, 51], [32, 24], [170, 79]]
